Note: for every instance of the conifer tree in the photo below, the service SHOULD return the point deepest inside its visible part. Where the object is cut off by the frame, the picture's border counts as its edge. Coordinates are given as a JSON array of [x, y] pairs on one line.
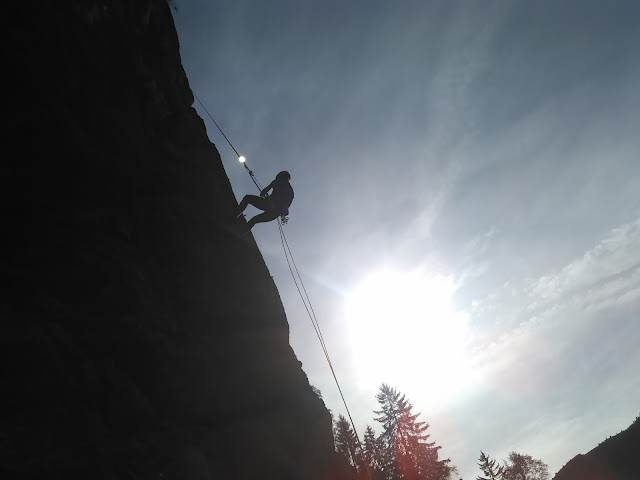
[[346, 442], [489, 468], [406, 452], [391, 405], [372, 450]]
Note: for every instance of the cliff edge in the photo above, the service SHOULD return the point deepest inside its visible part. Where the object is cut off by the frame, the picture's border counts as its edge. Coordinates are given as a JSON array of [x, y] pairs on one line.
[[139, 338]]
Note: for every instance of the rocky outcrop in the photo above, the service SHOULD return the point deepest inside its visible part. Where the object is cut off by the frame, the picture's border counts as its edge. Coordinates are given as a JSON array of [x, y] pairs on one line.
[[614, 459], [139, 337]]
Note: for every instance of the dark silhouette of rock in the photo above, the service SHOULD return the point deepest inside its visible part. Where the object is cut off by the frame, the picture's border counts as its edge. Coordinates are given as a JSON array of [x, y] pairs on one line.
[[617, 458], [139, 338]]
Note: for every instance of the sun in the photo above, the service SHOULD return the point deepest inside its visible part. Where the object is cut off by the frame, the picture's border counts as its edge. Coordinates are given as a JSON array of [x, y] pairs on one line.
[[403, 330]]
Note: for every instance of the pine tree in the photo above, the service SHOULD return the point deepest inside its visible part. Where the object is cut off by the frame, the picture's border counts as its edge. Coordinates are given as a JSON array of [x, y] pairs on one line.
[[372, 450], [406, 452], [391, 403], [346, 441], [489, 468]]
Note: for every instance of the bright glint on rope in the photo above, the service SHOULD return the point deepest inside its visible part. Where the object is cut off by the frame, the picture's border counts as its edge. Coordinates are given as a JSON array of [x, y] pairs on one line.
[[242, 159]]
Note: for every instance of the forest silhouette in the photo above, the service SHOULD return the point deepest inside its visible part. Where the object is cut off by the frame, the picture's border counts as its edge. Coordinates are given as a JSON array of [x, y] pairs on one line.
[[404, 450]]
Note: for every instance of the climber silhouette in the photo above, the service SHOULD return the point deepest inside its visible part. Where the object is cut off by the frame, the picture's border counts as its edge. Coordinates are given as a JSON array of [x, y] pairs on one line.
[[274, 205]]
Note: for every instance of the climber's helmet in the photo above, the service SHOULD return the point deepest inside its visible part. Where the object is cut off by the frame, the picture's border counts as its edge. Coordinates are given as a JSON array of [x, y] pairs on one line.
[[284, 175]]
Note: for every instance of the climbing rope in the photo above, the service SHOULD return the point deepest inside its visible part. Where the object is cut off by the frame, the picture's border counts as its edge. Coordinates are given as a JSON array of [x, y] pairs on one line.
[[297, 280], [216, 124], [314, 320], [240, 157]]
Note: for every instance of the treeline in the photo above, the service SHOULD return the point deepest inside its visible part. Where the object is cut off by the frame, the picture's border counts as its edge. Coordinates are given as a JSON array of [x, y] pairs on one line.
[[404, 451], [516, 467]]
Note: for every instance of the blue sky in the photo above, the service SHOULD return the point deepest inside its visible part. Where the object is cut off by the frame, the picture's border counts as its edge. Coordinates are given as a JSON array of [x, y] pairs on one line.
[[483, 152]]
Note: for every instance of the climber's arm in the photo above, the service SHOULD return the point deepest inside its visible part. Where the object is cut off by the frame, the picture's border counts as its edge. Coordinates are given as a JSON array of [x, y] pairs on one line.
[[265, 190]]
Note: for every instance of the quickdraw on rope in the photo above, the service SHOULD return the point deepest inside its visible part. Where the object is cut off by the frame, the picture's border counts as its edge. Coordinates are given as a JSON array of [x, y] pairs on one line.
[[297, 279], [243, 161]]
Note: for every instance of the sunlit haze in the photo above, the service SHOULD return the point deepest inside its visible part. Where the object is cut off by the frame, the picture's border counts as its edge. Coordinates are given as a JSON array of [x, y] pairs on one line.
[[403, 327]]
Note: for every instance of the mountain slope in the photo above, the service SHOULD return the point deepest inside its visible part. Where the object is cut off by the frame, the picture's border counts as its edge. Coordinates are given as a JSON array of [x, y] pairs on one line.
[[617, 458]]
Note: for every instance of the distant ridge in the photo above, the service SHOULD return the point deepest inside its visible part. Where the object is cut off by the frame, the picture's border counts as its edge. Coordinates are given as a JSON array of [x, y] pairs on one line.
[[616, 458]]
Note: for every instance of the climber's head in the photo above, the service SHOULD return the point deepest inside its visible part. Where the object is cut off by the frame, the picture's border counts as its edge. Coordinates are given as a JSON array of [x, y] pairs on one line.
[[284, 175]]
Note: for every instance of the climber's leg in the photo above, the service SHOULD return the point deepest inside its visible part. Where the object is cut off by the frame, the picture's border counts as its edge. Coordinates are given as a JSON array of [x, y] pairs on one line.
[[263, 217], [254, 200]]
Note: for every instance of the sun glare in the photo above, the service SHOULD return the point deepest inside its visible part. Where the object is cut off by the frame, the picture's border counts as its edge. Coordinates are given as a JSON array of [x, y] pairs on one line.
[[404, 331]]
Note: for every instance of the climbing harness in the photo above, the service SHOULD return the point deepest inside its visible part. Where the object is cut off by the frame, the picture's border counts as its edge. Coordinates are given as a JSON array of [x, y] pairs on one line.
[[297, 279]]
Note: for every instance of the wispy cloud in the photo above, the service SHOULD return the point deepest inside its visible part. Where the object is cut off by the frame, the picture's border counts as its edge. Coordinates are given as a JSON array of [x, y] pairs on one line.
[[607, 273], [560, 339]]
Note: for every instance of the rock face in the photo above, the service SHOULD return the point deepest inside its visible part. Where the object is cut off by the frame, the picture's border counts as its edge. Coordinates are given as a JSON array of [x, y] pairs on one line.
[[139, 338], [617, 458]]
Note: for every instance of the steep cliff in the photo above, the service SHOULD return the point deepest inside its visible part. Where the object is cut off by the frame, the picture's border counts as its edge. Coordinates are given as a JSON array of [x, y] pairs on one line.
[[139, 339]]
